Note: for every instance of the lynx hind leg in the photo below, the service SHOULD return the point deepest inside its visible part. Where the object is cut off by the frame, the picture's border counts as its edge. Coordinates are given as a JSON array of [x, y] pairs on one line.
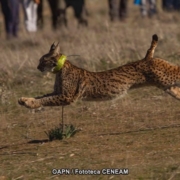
[[150, 51], [174, 91]]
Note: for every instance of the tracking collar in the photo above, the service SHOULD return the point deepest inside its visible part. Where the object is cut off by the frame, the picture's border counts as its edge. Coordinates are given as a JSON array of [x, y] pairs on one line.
[[60, 64]]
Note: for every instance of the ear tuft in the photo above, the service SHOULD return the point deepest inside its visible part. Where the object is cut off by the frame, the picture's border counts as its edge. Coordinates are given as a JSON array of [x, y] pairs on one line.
[[55, 49], [52, 47]]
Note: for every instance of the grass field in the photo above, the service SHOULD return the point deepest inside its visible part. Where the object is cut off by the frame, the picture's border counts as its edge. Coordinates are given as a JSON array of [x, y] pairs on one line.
[[140, 132]]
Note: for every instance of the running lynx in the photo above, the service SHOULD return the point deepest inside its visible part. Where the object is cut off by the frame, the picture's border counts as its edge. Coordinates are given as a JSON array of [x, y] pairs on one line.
[[73, 83]]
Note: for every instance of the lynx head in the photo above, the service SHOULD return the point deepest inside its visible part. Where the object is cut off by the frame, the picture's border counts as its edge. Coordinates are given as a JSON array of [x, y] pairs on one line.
[[52, 61]]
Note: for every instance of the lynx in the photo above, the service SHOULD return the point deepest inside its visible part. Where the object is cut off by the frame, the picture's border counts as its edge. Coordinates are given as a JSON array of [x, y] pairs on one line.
[[73, 83]]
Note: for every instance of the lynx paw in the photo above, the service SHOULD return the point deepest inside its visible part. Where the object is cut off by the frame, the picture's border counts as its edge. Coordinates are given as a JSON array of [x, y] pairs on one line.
[[174, 91], [29, 102]]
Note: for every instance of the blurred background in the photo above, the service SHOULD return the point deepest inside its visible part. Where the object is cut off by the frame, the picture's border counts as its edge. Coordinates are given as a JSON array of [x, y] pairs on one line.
[[104, 34]]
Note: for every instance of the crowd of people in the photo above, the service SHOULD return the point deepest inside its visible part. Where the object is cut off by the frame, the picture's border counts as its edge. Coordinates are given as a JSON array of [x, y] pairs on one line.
[[10, 10], [33, 12], [118, 8]]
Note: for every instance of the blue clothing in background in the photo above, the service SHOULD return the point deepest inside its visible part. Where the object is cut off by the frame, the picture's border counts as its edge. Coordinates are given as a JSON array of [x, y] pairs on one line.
[[137, 2]]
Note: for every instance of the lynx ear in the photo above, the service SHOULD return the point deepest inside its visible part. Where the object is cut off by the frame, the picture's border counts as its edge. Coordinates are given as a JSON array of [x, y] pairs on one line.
[[52, 47], [55, 49]]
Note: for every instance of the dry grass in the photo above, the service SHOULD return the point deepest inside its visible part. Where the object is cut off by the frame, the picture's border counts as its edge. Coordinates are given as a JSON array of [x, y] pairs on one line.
[[139, 132]]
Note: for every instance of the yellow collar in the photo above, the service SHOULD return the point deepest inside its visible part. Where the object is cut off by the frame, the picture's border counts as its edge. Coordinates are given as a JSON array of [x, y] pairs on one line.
[[60, 64]]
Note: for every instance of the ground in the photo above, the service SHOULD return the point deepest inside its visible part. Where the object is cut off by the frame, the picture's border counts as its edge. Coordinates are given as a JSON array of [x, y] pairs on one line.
[[140, 132]]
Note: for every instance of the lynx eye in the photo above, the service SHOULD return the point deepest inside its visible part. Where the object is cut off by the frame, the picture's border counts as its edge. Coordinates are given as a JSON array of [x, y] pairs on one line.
[[54, 64], [45, 58]]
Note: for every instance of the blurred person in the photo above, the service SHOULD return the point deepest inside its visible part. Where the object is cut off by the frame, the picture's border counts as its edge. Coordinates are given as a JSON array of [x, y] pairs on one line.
[[30, 11], [80, 10], [176, 4], [137, 2], [58, 10], [53, 7], [148, 8], [40, 20], [10, 9], [169, 5], [117, 9]]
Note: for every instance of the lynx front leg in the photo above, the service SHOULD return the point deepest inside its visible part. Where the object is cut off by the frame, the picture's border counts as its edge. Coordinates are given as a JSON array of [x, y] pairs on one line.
[[56, 100], [174, 91], [29, 102]]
